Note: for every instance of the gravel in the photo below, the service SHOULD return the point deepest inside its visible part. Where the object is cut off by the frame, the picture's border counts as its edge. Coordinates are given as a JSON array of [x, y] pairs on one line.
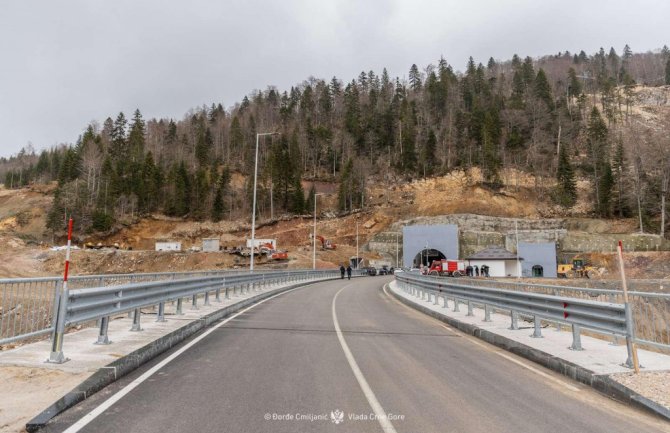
[[655, 385]]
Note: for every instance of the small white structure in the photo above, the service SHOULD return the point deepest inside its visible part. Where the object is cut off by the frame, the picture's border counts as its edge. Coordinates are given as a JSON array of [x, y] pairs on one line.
[[168, 246], [259, 242], [501, 263], [210, 245]]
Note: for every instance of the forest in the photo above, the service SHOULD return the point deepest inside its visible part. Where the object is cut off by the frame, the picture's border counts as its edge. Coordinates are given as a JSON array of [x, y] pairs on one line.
[[560, 117]]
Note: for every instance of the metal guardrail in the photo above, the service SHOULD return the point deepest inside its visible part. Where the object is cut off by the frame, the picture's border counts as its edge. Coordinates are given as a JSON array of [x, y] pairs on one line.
[[100, 303], [602, 317], [650, 311], [27, 304]]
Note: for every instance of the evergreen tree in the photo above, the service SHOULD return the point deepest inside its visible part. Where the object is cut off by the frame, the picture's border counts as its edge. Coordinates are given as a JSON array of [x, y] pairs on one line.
[[218, 206], [574, 86], [667, 72], [543, 90], [428, 157], [566, 193], [136, 137], [415, 78]]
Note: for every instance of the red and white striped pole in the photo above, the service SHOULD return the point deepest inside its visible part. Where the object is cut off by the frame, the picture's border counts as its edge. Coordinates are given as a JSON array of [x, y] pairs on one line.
[[67, 253], [57, 355]]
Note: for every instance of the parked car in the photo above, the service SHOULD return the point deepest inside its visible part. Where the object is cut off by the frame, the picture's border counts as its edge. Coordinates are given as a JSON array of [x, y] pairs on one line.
[[372, 271], [384, 270]]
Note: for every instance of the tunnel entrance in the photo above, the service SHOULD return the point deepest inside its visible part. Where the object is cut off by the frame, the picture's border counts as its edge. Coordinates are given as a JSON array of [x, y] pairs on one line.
[[426, 257]]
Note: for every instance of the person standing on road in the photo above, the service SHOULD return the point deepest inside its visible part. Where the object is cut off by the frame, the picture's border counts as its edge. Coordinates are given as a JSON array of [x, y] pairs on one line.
[[349, 272], [476, 271], [342, 272]]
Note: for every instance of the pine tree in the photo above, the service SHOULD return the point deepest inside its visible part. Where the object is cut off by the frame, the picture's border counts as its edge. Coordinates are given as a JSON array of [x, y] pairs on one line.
[[566, 194], [428, 156], [218, 207], [606, 184], [415, 78], [543, 89], [575, 86], [136, 137]]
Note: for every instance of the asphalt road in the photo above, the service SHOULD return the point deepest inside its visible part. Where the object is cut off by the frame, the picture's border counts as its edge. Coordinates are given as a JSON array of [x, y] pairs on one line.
[[391, 369]]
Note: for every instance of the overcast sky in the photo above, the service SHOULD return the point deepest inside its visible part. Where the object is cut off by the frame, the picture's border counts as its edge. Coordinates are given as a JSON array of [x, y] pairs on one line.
[[65, 63]]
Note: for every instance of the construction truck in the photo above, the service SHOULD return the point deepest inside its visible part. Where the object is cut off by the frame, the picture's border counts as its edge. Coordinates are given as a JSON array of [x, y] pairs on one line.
[[577, 269], [447, 268], [326, 244]]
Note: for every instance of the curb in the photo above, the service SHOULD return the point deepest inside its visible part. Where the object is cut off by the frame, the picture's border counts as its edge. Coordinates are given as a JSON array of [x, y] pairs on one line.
[[600, 382], [116, 370]]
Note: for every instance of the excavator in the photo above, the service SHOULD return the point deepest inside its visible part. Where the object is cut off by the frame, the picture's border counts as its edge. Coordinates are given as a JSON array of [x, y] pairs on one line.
[[271, 253], [326, 244]]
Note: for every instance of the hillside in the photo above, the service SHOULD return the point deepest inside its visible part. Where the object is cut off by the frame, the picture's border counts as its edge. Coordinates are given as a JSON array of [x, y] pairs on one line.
[[457, 193]]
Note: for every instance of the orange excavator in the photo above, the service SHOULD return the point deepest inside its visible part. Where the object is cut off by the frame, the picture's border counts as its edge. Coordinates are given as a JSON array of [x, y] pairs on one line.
[[326, 244], [271, 253]]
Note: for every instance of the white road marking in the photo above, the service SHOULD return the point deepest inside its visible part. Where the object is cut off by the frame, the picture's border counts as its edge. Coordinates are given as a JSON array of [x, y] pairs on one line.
[[86, 419], [501, 354], [369, 394]]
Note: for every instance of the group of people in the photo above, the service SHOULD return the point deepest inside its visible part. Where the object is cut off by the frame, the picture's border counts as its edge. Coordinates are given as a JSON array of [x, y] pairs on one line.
[[474, 271], [348, 271]]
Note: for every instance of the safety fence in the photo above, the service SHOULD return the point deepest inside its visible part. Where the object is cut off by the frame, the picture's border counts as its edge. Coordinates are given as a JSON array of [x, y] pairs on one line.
[[650, 310], [100, 303], [608, 318], [27, 304]]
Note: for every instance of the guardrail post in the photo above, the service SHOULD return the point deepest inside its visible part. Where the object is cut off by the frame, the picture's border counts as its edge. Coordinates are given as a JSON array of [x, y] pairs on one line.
[[446, 302], [160, 317], [56, 356], [194, 302], [576, 338], [537, 327], [227, 295], [437, 301], [630, 335], [207, 298], [103, 338], [218, 295], [470, 313], [456, 309], [180, 303], [514, 316], [136, 321], [487, 313]]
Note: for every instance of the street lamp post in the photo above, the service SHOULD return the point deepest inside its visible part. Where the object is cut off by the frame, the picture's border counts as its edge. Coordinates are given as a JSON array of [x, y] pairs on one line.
[[253, 210], [314, 235], [358, 260]]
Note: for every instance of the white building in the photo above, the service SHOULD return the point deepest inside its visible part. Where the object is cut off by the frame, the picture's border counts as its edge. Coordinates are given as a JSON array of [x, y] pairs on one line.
[[501, 263], [210, 245], [168, 246]]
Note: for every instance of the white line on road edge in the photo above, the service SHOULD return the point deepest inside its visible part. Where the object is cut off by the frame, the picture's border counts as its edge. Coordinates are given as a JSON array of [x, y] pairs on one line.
[[501, 354], [372, 399], [86, 419]]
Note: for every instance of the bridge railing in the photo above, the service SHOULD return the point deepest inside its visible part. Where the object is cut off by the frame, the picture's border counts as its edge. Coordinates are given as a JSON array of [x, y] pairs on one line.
[[27, 304], [613, 319], [101, 303], [650, 311]]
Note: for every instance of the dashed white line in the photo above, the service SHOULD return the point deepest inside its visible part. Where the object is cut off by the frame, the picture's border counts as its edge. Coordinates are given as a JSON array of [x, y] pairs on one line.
[[386, 425]]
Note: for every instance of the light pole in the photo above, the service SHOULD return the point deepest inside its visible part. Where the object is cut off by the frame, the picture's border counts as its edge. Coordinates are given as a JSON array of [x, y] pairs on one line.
[[358, 260], [253, 210], [314, 234]]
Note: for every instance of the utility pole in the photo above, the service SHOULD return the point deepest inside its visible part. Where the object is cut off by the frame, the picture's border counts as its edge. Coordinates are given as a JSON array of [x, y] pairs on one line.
[[357, 258]]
